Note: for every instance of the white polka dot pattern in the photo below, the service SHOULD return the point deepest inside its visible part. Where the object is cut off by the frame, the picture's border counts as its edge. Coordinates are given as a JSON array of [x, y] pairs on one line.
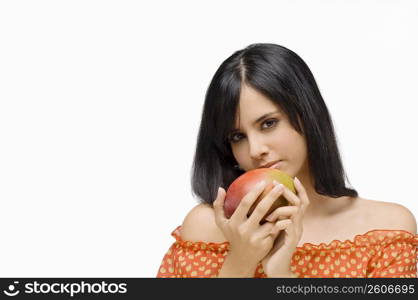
[[377, 253]]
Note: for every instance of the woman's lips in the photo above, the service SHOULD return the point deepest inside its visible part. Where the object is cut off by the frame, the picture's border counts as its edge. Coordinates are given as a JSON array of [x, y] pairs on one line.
[[276, 165]]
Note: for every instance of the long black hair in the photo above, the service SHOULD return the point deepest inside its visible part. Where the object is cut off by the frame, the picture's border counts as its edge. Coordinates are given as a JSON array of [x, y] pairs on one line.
[[282, 76]]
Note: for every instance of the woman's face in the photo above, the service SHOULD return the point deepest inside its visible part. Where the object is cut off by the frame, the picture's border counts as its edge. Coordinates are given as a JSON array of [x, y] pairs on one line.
[[270, 139]]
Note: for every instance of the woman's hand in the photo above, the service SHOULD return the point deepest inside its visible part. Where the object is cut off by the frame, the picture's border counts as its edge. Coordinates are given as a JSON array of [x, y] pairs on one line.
[[249, 241], [277, 262]]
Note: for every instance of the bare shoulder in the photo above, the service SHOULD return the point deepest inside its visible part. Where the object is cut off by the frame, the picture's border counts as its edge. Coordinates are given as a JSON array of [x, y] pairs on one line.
[[390, 215], [199, 225]]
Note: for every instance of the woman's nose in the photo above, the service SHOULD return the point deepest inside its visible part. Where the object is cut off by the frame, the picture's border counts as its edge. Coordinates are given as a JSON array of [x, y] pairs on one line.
[[257, 147]]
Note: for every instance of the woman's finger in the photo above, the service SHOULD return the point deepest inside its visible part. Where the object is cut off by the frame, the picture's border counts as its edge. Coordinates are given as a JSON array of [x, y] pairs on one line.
[[218, 207], [247, 201], [265, 229], [265, 204], [291, 197], [280, 225], [300, 189], [281, 213]]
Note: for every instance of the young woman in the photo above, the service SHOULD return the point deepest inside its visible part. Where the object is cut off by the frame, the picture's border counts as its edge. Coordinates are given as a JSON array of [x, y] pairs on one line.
[[263, 109]]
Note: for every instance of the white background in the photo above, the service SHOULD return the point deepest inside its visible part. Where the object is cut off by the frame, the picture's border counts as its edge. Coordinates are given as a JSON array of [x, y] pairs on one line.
[[100, 103]]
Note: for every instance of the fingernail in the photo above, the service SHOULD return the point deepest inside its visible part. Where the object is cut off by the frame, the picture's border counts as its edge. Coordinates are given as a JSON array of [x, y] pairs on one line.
[[297, 180], [278, 187], [270, 218], [261, 184]]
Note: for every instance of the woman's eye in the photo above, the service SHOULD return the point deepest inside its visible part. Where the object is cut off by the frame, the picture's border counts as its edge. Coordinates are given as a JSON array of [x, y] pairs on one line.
[[272, 122], [234, 138]]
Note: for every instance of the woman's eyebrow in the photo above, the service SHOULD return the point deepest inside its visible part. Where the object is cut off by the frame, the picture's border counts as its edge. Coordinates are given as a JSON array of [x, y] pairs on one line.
[[261, 118]]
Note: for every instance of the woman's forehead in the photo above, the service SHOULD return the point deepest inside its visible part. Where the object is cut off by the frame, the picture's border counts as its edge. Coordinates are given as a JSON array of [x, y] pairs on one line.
[[253, 106]]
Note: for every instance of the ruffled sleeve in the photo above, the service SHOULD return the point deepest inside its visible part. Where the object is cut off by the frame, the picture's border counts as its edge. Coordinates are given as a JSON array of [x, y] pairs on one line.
[[192, 259], [195, 259], [395, 255]]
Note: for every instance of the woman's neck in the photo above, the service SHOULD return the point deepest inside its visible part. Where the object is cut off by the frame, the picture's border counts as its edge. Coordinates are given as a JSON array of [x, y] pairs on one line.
[[321, 206]]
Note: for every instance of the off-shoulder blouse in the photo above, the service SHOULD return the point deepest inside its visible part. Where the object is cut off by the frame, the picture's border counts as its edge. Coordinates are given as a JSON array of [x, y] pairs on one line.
[[376, 253]]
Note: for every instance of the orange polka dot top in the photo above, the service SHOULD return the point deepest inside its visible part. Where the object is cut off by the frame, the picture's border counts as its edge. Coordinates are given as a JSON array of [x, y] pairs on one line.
[[377, 253]]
